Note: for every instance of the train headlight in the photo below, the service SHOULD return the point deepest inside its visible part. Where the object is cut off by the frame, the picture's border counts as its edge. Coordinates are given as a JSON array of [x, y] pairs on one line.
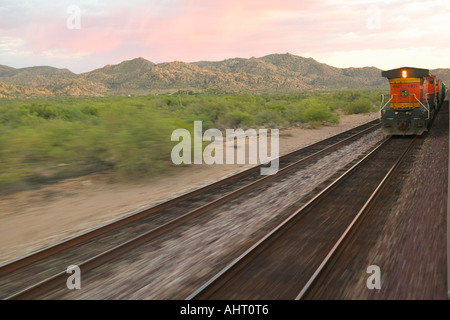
[[404, 74]]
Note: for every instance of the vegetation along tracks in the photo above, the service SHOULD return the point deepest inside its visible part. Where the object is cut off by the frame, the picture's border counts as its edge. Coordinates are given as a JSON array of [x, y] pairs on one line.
[[34, 274]]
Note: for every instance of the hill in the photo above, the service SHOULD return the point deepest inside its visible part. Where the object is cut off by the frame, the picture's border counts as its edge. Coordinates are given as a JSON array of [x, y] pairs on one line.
[[271, 73]]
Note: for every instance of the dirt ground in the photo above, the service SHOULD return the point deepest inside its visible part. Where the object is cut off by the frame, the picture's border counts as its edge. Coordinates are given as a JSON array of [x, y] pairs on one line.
[[30, 220]]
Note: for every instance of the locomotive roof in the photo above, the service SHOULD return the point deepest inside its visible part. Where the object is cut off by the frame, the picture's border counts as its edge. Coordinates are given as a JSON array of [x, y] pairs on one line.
[[411, 72]]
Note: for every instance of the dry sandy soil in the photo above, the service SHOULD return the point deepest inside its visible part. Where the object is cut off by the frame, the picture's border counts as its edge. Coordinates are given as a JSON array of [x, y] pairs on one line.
[[34, 219]]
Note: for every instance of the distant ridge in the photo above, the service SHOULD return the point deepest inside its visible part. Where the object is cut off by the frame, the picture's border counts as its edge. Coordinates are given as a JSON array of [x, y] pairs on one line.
[[271, 73]]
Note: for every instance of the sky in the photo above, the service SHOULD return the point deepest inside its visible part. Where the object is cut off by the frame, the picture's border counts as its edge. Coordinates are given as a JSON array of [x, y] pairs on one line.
[[83, 35]]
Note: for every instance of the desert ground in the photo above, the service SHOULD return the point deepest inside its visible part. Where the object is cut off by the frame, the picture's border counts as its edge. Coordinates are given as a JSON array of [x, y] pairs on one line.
[[34, 219]]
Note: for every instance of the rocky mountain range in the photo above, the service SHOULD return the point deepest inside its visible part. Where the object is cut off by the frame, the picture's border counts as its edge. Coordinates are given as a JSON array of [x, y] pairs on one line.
[[272, 73]]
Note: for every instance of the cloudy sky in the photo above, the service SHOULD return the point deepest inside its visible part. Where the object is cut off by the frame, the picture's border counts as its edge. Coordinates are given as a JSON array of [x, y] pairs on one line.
[[82, 35]]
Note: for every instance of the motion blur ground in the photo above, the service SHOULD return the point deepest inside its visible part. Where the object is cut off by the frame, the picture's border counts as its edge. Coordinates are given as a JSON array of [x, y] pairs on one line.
[[401, 232], [197, 244], [405, 234], [94, 200], [290, 259]]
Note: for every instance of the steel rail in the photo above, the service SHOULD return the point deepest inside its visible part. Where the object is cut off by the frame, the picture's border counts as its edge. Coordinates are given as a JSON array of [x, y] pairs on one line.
[[274, 231], [358, 218], [89, 234], [48, 284]]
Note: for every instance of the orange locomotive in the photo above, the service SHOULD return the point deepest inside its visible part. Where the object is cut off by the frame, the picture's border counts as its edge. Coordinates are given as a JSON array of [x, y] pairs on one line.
[[416, 96]]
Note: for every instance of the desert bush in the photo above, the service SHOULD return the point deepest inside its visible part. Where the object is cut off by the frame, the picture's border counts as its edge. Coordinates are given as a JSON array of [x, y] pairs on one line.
[[361, 105], [46, 139]]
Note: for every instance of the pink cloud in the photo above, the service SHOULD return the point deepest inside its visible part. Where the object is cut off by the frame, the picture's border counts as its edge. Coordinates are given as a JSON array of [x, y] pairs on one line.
[[195, 26], [192, 30]]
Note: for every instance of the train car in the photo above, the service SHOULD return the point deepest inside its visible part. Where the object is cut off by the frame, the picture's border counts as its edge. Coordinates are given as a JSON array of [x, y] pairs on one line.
[[442, 92], [431, 94], [415, 97], [437, 88]]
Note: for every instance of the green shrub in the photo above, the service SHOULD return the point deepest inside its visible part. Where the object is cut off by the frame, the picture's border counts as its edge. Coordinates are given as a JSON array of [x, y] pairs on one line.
[[239, 119], [361, 105], [47, 139]]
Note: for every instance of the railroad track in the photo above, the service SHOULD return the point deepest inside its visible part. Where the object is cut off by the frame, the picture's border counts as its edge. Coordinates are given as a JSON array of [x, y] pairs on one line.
[[35, 274], [375, 241], [289, 260]]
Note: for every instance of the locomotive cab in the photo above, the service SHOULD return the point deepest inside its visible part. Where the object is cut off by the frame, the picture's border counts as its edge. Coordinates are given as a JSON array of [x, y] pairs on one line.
[[410, 107]]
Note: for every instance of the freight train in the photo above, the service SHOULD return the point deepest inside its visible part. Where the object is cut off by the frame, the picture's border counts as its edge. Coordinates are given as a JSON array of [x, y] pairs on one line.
[[415, 98]]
